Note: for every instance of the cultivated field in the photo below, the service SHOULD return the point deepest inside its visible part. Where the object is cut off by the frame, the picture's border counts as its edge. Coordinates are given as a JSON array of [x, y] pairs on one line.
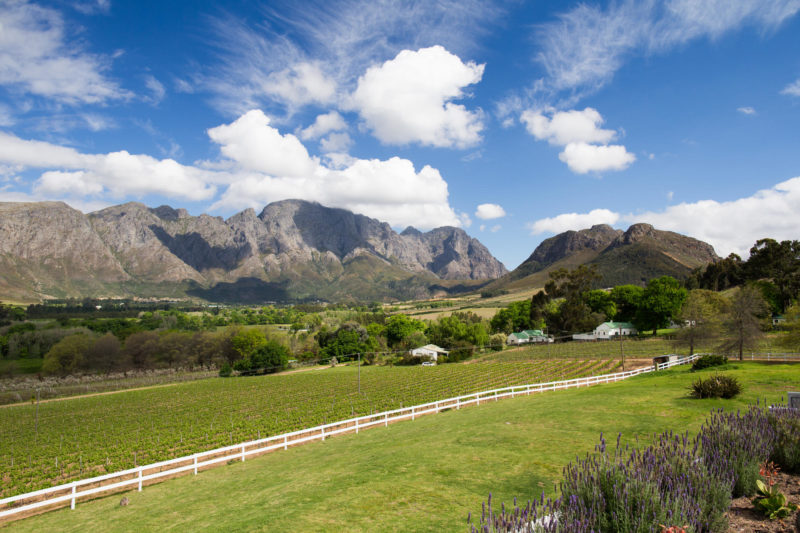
[[424, 475], [86, 436]]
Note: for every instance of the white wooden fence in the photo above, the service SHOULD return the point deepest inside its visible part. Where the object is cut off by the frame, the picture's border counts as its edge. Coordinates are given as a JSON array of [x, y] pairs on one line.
[[84, 489]]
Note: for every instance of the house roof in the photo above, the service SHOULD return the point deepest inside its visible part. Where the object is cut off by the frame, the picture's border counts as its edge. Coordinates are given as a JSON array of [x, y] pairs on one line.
[[615, 325], [534, 332], [432, 348]]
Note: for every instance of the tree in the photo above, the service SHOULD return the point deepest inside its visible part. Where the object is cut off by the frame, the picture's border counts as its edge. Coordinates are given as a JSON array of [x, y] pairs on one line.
[[247, 341], [701, 315], [573, 313], [626, 300], [141, 349], [791, 340], [66, 356], [779, 262], [104, 354], [400, 326], [600, 301], [660, 302], [743, 325], [269, 357], [515, 317], [346, 342]]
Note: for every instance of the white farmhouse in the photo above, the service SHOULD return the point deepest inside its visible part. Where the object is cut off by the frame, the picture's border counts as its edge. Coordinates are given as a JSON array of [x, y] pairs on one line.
[[607, 330], [612, 329], [430, 352]]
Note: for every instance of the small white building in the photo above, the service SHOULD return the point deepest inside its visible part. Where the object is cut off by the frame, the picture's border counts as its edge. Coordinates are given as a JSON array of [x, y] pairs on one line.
[[527, 336], [430, 352], [612, 329], [607, 330]]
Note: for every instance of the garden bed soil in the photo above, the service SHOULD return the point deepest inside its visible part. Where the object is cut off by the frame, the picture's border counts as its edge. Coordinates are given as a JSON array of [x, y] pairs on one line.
[[743, 518]]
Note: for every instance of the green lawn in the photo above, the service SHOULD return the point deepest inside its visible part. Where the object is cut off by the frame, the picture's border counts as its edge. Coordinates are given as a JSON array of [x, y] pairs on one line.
[[424, 475]]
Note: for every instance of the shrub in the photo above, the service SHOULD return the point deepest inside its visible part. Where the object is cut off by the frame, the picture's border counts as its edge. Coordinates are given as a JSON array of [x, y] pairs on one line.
[[785, 421], [707, 361], [717, 386], [739, 443], [225, 370]]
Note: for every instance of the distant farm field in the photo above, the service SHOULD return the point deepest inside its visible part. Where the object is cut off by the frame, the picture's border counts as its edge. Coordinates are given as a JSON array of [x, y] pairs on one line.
[[424, 475], [87, 436]]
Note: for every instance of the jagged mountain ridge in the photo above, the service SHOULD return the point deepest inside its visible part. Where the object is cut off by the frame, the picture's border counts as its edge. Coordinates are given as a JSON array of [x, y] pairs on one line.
[[633, 256], [292, 249]]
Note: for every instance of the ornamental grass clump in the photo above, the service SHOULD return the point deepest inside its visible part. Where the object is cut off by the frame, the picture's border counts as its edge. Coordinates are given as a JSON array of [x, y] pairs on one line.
[[716, 386], [738, 443]]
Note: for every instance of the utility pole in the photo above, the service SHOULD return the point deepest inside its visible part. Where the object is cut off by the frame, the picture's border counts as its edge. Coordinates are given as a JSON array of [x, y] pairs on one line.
[[621, 350], [36, 424], [359, 372]]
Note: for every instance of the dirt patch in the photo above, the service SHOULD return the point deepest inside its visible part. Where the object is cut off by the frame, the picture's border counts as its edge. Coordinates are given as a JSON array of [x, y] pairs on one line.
[[742, 516]]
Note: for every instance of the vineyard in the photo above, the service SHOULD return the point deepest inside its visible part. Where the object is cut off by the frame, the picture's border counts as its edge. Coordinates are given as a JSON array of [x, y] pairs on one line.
[[59, 441]]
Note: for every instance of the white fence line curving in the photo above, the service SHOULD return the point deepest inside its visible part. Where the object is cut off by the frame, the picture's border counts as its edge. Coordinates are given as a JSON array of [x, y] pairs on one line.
[[58, 496]]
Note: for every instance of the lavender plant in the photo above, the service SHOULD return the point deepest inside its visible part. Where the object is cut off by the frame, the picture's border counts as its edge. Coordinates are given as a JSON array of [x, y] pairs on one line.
[[738, 443], [785, 421], [674, 480]]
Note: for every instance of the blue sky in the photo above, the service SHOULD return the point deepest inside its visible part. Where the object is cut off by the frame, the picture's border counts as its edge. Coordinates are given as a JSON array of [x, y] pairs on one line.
[[515, 120]]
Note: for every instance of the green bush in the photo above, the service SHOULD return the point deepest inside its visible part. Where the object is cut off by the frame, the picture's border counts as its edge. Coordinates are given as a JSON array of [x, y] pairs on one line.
[[707, 361], [716, 386], [225, 371]]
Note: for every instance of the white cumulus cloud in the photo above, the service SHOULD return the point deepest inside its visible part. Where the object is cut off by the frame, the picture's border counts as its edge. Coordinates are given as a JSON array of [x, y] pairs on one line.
[[323, 125], [490, 211], [582, 157], [116, 174], [409, 99], [573, 221], [565, 127], [747, 110], [585, 143], [793, 89], [730, 227], [257, 146]]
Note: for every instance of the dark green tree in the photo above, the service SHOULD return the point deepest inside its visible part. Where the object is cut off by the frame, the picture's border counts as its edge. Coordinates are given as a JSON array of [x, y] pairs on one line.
[[778, 262], [626, 300], [660, 302]]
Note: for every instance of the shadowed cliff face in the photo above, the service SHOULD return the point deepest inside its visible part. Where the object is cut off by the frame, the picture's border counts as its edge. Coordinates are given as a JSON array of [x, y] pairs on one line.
[[292, 248]]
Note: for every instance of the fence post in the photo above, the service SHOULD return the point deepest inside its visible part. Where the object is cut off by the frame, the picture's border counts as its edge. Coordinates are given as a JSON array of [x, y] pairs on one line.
[[72, 501], [323, 434], [386, 420], [356, 426], [195, 467], [242, 452], [412, 412], [285, 442], [458, 404], [495, 395]]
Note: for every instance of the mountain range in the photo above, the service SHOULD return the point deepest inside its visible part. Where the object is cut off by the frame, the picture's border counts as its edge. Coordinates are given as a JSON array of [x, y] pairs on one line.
[[292, 250], [621, 257]]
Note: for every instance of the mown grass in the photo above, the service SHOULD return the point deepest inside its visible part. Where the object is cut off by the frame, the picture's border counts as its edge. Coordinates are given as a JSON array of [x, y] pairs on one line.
[[424, 475]]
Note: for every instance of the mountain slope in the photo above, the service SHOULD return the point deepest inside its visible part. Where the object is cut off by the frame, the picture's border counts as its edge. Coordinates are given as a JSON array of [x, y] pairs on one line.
[[292, 249], [633, 256]]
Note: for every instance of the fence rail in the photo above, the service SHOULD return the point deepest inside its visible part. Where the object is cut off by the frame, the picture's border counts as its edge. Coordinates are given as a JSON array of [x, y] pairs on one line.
[[58, 496]]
